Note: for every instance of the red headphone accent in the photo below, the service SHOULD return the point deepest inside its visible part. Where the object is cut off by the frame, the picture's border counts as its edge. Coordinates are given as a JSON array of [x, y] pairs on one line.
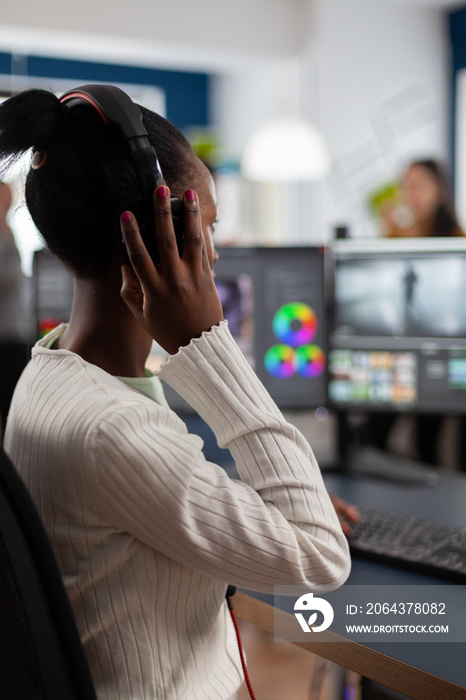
[[83, 96]]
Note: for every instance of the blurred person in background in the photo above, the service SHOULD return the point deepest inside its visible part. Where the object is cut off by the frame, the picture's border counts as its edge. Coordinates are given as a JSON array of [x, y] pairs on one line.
[[424, 208], [13, 345]]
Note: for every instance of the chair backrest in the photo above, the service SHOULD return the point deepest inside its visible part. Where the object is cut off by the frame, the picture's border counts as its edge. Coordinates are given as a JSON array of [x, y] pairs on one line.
[[41, 656]]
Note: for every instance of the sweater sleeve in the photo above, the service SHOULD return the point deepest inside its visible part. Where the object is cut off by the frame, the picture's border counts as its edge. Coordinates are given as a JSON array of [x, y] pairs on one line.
[[274, 526]]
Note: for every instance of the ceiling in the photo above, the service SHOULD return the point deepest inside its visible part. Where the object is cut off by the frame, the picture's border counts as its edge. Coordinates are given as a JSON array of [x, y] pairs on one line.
[[447, 4]]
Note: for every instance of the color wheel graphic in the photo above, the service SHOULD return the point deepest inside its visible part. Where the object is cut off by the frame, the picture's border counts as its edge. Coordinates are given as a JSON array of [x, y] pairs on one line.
[[309, 361], [295, 324], [279, 361]]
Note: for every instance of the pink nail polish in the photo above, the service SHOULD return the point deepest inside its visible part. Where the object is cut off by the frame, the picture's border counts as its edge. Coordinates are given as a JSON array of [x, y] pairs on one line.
[[162, 192], [190, 195], [126, 216]]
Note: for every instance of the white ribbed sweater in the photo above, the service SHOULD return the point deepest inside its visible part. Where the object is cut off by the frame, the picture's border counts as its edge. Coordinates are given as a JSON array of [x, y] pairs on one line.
[[147, 533]]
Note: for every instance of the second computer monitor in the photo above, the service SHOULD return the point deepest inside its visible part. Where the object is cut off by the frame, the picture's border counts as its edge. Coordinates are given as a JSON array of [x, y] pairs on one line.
[[398, 334]]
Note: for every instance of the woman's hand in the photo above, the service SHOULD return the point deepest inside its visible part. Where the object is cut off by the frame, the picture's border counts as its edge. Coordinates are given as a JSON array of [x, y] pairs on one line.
[[175, 300], [346, 512]]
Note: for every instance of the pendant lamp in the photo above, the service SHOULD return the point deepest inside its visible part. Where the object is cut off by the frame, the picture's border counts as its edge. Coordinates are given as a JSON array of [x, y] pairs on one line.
[[285, 149]]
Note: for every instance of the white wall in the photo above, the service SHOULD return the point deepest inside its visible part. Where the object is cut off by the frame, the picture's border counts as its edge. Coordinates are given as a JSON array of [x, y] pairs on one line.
[[373, 76], [383, 96]]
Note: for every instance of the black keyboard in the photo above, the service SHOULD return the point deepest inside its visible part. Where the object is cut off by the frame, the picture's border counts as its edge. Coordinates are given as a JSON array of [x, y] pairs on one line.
[[424, 545]]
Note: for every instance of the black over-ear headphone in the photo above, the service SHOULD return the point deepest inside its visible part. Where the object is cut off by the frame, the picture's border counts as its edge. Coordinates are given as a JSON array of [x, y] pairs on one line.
[[115, 107]]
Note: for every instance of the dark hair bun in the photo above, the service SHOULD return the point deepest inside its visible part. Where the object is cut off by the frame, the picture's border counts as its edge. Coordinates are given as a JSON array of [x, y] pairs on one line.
[[28, 119]]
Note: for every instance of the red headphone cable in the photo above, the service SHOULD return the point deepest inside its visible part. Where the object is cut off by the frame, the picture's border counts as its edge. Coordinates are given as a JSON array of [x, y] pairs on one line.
[[231, 591]]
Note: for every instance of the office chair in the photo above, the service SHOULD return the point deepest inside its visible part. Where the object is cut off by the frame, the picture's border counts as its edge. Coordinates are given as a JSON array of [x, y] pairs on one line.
[[41, 657]]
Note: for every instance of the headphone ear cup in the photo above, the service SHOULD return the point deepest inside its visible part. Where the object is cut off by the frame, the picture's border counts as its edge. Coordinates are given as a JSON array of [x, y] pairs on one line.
[[117, 109], [137, 208]]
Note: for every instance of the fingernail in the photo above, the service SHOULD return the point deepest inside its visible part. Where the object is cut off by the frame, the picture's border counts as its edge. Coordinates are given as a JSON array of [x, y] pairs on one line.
[[190, 195], [126, 216], [162, 192]]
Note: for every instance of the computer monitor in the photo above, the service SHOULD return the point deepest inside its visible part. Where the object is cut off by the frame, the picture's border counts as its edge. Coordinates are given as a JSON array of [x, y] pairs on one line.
[[397, 340], [273, 299]]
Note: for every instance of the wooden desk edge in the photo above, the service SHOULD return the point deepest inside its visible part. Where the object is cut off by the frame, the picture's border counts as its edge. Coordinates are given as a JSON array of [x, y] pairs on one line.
[[395, 674]]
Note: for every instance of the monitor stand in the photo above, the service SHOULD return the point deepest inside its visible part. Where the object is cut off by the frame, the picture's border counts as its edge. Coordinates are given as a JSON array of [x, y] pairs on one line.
[[355, 458]]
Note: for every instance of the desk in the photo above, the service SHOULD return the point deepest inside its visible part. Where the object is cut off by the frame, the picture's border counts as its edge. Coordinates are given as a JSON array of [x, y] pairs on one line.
[[423, 671]]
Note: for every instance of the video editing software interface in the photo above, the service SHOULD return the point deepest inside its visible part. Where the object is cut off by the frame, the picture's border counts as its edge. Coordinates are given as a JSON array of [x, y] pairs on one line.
[[398, 333], [273, 299]]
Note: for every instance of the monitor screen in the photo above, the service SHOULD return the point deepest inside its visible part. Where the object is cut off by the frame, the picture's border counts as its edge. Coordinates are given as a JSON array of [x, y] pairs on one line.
[[273, 299], [398, 331]]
